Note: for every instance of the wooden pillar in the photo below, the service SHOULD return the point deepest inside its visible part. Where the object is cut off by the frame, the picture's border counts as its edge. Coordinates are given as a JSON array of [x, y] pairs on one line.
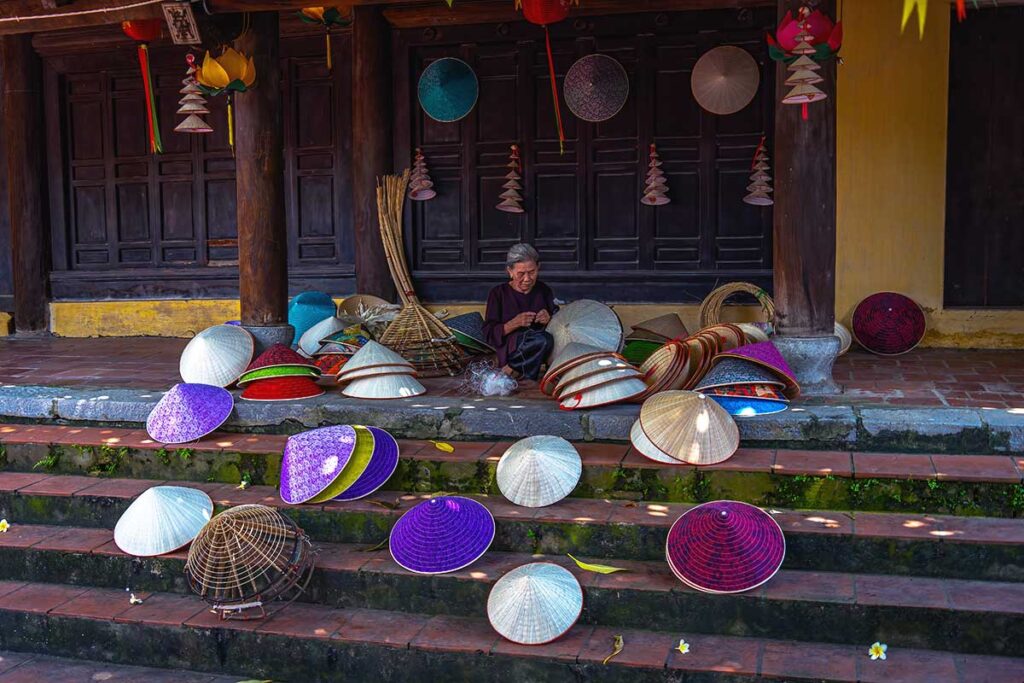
[[805, 205], [371, 144], [259, 177], [26, 168]]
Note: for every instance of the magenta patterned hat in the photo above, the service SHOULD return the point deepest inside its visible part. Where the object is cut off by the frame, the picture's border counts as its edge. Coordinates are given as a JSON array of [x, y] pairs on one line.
[[441, 535], [188, 412], [313, 460], [725, 547], [888, 324], [382, 465], [765, 354]]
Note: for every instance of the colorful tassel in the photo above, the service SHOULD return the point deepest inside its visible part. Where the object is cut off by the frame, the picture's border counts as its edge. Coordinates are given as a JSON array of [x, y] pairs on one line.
[[231, 126], [156, 145], [554, 93]]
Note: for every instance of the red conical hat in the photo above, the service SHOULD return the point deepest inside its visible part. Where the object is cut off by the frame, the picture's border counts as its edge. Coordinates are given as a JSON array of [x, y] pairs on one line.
[[276, 355]]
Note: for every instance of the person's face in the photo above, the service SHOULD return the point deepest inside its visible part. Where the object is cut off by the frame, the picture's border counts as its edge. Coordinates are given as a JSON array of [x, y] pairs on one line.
[[523, 276]]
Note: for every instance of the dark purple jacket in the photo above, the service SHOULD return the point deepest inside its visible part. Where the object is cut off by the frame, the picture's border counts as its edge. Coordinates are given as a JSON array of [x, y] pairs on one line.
[[505, 303]]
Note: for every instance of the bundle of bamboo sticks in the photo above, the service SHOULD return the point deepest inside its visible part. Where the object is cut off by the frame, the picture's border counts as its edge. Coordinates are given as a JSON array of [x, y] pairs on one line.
[[416, 334]]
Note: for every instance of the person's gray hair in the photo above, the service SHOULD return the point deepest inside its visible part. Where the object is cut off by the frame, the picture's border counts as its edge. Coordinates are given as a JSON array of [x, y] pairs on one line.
[[521, 253]]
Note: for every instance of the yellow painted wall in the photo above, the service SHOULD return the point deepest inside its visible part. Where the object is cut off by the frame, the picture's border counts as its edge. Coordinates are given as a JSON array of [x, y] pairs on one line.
[[891, 172], [6, 323]]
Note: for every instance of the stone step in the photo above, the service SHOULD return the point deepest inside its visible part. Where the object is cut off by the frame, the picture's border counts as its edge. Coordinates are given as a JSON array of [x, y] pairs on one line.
[[315, 643], [874, 543], [979, 617], [987, 485], [23, 667]]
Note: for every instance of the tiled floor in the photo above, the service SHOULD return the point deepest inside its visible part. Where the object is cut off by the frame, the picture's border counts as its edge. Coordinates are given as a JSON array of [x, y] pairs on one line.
[[923, 377]]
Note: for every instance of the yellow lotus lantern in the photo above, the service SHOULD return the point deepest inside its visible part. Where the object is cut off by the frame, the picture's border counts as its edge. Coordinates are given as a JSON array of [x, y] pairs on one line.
[[230, 73], [326, 17]]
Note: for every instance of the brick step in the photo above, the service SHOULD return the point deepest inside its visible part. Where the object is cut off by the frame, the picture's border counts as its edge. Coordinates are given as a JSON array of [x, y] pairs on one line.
[[22, 667], [979, 617], [316, 643], [988, 485], [873, 543]]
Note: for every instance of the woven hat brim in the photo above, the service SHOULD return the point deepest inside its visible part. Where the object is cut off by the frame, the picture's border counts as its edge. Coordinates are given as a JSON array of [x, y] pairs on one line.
[[572, 616], [612, 392], [354, 468], [163, 520], [365, 389], [383, 464]]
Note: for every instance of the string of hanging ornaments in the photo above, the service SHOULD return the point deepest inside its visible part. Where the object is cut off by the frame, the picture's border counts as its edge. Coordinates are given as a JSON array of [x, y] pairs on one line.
[[803, 44], [543, 13], [193, 104], [760, 187], [511, 200], [656, 190], [421, 187], [145, 31]]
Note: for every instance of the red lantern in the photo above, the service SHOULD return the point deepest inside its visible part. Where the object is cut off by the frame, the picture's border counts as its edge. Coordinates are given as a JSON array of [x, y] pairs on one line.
[[542, 13], [145, 31]]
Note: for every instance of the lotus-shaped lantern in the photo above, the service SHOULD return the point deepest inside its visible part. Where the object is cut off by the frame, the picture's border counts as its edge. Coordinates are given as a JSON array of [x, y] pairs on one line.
[[326, 17], [827, 37], [232, 71]]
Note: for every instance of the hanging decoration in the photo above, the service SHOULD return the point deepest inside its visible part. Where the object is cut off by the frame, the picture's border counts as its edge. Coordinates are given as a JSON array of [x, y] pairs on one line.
[[327, 17], [421, 187], [145, 31], [656, 191], [760, 187], [448, 89], [725, 79], [193, 104], [181, 23], [544, 13], [225, 75], [922, 13], [803, 43], [596, 88], [511, 200]]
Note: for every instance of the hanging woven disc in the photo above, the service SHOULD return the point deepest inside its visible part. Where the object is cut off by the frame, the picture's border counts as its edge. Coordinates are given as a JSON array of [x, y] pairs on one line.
[[448, 89], [596, 88], [725, 79]]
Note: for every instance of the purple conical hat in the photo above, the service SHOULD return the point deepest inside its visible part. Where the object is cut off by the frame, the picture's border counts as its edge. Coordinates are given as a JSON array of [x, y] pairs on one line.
[[188, 412], [440, 535], [382, 466], [313, 460], [725, 547], [765, 354], [731, 371]]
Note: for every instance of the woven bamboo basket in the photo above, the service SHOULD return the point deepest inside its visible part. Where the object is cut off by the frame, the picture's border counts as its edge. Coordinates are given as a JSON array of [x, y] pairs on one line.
[[416, 333], [247, 557], [711, 307]]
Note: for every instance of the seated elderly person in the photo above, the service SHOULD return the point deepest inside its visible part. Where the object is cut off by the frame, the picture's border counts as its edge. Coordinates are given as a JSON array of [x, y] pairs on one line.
[[517, 312]]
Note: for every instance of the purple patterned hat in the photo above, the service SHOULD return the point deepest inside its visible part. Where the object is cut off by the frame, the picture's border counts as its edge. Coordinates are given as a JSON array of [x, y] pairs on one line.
[[382, 465], [765, 354], [313, 460], [188, 412], [725, 547], [731, 371], [443, 534]]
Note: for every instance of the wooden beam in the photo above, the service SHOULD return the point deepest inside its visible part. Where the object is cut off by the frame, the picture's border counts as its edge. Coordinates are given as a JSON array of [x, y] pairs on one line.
[[805, 207], [259, 181], [371, 145], [26, 167], [29, 16]]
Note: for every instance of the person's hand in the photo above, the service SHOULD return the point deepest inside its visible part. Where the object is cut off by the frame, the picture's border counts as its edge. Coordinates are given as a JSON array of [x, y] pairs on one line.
[[522, 320], [542, 318]]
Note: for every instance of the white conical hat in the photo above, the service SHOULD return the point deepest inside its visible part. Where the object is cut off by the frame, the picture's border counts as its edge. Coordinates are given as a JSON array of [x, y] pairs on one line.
[[539, 471], [193, 124], [845, 338], [162, 519], [595, 381], [591, 367], [568, 358], [193, 108], [309, 342], [363, 373], [758, 199], [804, 94], [647, 449], [689, 427], [606, 394], [586, 321], [535, 603], [218, 355], [374, 355], [384, 387]]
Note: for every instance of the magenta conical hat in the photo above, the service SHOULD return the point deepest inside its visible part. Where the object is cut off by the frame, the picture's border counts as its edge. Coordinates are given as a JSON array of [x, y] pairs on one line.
[[313, 460], [188, 412], [725, 547], [765, 353], [440, 535]]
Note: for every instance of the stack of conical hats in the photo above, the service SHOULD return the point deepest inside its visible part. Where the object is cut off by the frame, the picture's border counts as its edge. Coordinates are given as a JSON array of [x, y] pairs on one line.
[[340, 462], [684, 427], [753, 379], [193, 106], [585, 376], [280, 374], [377, 372], [648, 335]]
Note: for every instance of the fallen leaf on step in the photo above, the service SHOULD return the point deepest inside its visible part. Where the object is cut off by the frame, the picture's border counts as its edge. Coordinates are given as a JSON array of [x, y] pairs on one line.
[[616, 648], [442, 446], [599, 568]]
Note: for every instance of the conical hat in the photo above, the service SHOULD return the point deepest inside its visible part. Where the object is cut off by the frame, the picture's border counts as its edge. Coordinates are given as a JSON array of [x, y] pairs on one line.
[[448, 89], [279, 371], [535, 603], [471, 327], [188, 412], [766, 355], [845, 338], [667, 368], [591, 367], [373, 355], [539, 471], [733, 371], [586, 321], [595, 88], [606, 394], [385, 387], [644, 335], [309, 342], [668, 326], [595, 381], [725, 79], [725, 547], [309, 308], [804, 94], [440, 535], [758, 199], [637, 351], [193, 124], [193, 108], [217, 355], [352, 471], [161, 520], [568, 358], [278, 355], [363, 373], [888, 323], [647, 449], [350, 305], [313, 459], [749, 400], [383, 464], [282, 389], [689, 427]]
